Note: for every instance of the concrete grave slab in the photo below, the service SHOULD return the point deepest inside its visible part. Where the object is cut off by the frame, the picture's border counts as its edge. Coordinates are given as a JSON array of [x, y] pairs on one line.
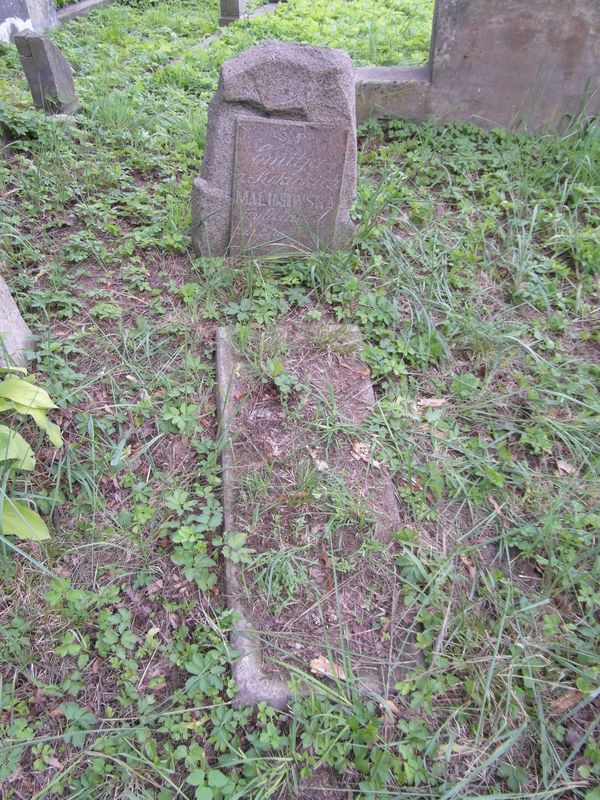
[[21, 15], [496, 63], [277, 108], [329, 624], [48, 74], [14, 333]]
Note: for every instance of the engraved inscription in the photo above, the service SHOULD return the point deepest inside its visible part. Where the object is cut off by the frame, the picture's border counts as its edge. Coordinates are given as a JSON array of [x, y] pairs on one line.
[[286, 185]]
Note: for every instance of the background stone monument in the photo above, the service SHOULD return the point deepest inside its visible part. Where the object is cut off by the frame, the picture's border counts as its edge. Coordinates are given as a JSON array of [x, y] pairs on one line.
[[48, 74], [232, 10], [20, 15], [279, 170], [496, 63]]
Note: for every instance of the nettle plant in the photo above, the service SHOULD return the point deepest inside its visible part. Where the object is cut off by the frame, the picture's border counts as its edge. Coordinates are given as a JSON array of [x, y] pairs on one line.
[[20, 397]]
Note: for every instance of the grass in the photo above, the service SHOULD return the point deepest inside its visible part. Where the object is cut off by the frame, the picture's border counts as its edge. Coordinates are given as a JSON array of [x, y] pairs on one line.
[[474, 285]]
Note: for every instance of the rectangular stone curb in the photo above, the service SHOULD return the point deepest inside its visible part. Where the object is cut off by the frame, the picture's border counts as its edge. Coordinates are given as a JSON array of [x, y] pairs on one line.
[[391, 92], [254, 686], [15, 336], [81, 9]]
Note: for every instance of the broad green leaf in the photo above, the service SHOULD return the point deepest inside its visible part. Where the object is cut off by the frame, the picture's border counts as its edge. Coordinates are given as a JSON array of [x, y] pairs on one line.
[[14, 449], [52, 430], [196, 777], [41, 420], [217, 779], [20, 391], [21, 521], [11, 370]]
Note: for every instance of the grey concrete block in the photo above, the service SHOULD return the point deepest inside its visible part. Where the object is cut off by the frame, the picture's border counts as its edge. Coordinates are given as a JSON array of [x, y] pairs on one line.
[[380, 90], [512, 61], [48, 74]]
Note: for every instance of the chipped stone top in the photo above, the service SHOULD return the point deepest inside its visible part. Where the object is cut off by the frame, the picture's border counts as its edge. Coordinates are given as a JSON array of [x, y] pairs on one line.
[[293, 81]]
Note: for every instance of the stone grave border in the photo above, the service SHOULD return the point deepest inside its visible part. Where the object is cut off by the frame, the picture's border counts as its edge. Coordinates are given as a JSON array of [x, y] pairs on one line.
[[80, 9], [253, 684]]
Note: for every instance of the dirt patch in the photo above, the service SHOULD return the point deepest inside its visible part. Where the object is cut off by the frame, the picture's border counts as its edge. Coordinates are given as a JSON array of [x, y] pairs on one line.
[[304, 485]]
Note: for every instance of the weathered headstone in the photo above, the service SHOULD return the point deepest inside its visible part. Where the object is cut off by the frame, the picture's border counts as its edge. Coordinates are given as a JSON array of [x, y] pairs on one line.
[[279, 170], [14, 333], [48, 74], [231, 10], [496, 62], [20, 15]]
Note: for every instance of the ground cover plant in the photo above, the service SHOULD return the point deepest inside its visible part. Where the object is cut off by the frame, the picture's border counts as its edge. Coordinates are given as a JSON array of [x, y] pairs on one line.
[[474, 285]]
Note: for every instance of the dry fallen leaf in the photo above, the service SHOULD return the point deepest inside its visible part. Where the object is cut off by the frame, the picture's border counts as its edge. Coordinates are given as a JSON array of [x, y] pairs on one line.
[[566, 701], [469, 566], [497, 509], [364, 372], [322, 466], [362, 452], [391, 708], [414, 482], [431, 402], [564, 468], [326, 668]]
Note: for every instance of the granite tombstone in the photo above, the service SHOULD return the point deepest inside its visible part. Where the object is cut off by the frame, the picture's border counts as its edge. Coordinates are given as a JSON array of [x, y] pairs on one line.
[[279, 171]]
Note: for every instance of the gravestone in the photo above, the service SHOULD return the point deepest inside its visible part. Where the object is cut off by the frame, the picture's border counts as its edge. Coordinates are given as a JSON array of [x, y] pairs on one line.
[[21, 15], [496, 63], [14, 333], [232, 10], [279, 170], [48, 74]]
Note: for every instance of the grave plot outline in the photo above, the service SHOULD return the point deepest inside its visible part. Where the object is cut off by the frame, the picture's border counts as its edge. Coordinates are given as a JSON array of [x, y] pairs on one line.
[[258, 675]]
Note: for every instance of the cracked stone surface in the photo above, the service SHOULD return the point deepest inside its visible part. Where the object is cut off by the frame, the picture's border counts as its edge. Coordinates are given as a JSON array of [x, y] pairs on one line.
[[277, 109]]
